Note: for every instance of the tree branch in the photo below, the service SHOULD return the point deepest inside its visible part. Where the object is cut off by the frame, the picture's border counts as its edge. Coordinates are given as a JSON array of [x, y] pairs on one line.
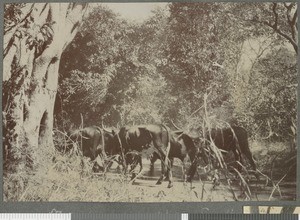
[[275, 25], [275, 28], [290, 6], [19, 23], [295, 17], [290, 39], [286, 36], [290, 19]]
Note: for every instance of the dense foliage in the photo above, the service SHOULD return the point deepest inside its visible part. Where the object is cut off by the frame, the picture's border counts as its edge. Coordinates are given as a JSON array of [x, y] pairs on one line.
[[161, 70]]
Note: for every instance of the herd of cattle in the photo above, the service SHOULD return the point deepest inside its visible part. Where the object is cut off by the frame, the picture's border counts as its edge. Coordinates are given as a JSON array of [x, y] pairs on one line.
[[128, 143]]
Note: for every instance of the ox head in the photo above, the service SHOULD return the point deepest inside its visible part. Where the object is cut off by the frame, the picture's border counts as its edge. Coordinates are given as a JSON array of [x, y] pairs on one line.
[[193, 140]]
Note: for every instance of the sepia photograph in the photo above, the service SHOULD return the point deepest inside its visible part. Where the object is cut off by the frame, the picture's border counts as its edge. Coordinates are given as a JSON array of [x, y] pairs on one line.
[[150, 102]]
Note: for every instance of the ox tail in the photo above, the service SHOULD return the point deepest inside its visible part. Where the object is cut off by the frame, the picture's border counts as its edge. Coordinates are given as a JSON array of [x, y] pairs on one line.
[[168, 146]]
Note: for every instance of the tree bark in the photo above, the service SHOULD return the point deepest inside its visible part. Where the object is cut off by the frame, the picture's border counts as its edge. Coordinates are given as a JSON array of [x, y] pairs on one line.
[[32, 51]]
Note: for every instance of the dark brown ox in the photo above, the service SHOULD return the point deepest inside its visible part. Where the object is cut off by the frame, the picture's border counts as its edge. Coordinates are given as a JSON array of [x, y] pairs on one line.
[[168, 145], [138, 138], [90, 141], [182, 147], [233, 139]]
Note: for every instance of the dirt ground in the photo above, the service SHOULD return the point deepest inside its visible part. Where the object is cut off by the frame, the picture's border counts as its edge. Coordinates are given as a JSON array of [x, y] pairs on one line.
[[200, 190], [66, 180]]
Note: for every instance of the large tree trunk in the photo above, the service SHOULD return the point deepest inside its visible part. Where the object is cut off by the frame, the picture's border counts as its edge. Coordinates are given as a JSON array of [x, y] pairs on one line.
[[32, 51]]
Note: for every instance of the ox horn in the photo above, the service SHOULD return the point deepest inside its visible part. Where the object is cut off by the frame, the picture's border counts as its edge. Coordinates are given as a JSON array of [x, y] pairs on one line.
[[104, 129], [179, 136], [176, 125]]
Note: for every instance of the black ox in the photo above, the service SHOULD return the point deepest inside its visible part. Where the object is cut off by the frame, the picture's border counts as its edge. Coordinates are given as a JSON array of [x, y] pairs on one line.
[[90, 140], [233, 139], [168, 145], [182, 147], [139, 138], [93, 141]]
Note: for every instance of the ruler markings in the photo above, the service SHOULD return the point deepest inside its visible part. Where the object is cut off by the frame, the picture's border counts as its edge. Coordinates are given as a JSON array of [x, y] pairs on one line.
[[149, 216], [184, 216], [125, 216], [35, 216], [243, 217]]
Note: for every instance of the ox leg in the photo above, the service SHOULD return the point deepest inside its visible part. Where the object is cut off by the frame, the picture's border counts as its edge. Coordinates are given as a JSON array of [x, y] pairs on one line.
[[238, 157], [141, 164], [166, 172], [249, 156], [191, 172], [193, 168], [124, 165], [159, 181], [184, 175], [108, 166], [251, 160], [135, 160], [154, 157], [167, 178], [151, 171], [170, 178], [256, 174], [135, 176], [163, 165]]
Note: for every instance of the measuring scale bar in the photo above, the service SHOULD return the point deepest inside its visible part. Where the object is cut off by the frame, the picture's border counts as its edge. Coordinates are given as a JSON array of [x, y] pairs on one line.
[[149, 216], [35, 216]]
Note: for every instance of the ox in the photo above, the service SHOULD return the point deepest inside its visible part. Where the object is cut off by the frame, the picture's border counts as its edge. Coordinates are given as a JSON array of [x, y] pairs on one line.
[[182, 147], [90, 141], [138, 138], [233, 139], [112, 148], [168, 145], [93, 142]]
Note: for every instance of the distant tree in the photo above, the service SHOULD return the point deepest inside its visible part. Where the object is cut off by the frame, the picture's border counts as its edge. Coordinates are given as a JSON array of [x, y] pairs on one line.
[[271, 28], [273, 100], [148, 96], [96, 66], [278, 17], [195, 37], [110, 71]]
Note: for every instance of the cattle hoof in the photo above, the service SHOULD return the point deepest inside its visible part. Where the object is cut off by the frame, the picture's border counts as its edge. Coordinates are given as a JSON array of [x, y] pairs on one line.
[[132, 182], [133, 176], [170, 185], [151, 172]]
